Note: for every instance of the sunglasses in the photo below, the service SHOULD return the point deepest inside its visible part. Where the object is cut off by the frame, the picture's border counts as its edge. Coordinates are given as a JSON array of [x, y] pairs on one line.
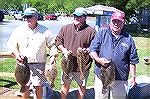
[[28, 17]]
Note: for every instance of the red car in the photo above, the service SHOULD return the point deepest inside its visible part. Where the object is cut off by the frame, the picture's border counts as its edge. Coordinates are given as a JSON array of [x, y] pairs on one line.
[[50, 17]]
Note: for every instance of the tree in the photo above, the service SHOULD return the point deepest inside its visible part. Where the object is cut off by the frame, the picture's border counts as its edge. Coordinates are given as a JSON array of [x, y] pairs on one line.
[[50, 6]]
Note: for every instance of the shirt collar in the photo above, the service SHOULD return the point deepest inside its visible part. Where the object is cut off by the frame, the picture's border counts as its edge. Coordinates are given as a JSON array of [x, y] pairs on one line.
[[83, 26]]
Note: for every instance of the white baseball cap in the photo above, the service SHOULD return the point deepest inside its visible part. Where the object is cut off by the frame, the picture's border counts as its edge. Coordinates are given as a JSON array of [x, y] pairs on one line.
[[80, 11], [30, 11]]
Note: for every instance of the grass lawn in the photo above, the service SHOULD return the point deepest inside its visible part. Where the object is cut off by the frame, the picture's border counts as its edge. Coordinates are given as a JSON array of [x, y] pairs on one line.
[[143, 49], [8, 65]]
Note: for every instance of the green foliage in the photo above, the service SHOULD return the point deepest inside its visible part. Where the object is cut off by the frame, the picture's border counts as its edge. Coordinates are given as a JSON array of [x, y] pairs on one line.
[[51, 6], [40, 6], [46, 6], [8, 65]]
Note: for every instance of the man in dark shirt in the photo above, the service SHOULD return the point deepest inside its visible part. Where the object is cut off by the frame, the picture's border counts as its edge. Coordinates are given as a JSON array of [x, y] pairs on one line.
[[116, 45], [72, 37]]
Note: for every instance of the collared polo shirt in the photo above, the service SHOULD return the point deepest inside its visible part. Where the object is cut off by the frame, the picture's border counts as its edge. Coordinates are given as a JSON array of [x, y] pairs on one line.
[[32, 43], [121, 51], [72, 39]]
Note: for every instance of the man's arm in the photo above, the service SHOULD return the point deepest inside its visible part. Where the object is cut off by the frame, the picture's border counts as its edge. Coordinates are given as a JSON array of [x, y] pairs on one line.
[[13, 47], [133, 74], [133, 61]]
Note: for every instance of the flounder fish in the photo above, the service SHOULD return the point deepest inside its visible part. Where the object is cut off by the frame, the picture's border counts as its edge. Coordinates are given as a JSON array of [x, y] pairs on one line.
[[51, 73], [107, 75], [22, 74], [66, 64], [81, 60]]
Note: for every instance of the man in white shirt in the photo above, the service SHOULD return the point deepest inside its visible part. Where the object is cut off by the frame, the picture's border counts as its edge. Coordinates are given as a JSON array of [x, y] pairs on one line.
[[31, 40]]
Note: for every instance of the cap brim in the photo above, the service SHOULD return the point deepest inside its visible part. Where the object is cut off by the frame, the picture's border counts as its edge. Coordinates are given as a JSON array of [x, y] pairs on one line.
[[78, 14], [27, 14]]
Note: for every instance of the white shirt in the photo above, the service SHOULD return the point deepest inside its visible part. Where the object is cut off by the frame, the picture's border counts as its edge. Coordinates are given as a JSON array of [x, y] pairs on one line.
[[32, 43]]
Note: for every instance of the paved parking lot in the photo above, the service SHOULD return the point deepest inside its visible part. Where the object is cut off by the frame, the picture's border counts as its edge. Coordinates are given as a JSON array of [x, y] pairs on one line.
[[7, 26]]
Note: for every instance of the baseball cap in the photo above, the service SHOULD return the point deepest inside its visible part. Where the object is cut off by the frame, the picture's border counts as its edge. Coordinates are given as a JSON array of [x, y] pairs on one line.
[[80, 11], [30, 11], [119, 15]]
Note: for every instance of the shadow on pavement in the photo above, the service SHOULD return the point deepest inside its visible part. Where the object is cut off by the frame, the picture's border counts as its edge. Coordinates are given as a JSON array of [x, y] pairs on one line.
[[8, 83]]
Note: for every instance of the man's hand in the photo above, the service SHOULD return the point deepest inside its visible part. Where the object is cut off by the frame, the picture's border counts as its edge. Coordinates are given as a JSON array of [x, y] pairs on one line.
[[133, 81], [19, 57], [65, 52], [103, 61], [52, 60], [82, 76], [84, 50]]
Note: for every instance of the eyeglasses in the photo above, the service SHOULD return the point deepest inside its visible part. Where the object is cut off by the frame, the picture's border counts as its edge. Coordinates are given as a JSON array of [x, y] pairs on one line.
[[117, 22], [28, 17]]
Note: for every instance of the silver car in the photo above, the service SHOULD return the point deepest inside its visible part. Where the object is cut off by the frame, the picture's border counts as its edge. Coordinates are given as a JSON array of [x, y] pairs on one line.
[[18, 16]]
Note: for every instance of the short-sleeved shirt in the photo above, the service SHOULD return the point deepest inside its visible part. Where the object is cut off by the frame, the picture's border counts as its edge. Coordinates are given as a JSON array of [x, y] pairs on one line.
[[121, 51], [32, 43], [72, 39]]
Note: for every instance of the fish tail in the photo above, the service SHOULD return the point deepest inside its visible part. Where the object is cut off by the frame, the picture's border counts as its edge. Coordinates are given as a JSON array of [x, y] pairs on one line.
[[23, 89]]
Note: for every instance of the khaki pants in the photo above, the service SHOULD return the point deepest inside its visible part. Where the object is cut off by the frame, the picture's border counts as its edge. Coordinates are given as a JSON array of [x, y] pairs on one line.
[[117, 90]]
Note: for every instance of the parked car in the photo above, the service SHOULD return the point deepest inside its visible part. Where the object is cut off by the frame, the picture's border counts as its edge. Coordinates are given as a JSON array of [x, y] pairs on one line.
[[12, 12], [50, 17], [18, 16], [60, 13], [1, 16], [5, 11], [40, 16]]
